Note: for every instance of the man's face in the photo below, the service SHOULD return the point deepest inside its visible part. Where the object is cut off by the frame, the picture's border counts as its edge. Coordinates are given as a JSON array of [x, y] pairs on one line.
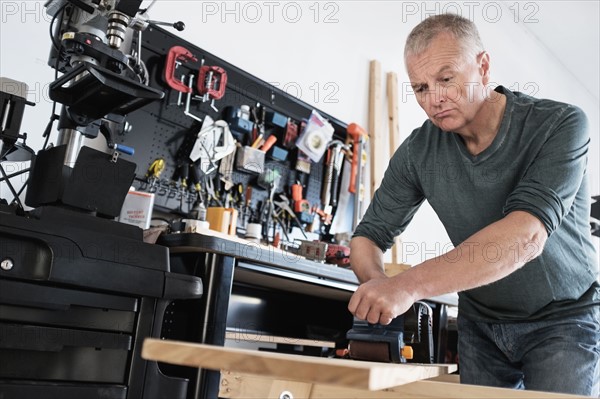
[[449, 85]]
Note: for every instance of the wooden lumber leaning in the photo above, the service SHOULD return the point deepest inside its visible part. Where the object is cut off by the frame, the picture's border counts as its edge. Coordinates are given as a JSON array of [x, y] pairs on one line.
[[340, 372], [395, 139], [376, 134]]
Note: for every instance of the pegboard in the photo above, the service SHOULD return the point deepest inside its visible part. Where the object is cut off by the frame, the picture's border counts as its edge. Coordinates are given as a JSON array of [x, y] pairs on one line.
[[159, 129]]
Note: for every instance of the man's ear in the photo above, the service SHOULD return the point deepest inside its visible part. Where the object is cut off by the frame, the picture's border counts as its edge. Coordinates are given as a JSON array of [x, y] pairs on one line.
[[484, 66]]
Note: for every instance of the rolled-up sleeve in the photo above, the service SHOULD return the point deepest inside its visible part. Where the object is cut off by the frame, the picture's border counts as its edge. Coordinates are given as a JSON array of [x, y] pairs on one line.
[[550, 183], [394, 203]]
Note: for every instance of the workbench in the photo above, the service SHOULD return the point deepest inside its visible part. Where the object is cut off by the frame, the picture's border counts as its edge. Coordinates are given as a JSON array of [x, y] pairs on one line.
[[261, 297]]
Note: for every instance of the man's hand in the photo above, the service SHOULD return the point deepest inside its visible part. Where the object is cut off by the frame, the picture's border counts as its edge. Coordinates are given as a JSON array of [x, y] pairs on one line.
[[380, 300]]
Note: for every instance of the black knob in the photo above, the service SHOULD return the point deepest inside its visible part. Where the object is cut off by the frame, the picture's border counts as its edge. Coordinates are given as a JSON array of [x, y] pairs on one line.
[[179, 25]]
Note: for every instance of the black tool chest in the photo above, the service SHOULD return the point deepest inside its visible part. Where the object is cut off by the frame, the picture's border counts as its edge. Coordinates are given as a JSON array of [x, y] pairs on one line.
[[78, 295]]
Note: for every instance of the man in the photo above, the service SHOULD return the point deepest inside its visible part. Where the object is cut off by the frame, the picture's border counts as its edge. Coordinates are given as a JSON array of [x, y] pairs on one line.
[[506, 174]]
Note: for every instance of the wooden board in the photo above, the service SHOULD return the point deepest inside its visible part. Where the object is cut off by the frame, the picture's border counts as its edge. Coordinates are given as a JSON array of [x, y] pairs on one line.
[[394, 133], [340, 372], [393, 119], [237, 386], [376, 134]]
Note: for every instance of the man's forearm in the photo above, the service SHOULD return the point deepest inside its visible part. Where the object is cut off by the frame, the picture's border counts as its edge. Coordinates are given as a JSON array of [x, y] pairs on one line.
[[489, 255], [366, 259]]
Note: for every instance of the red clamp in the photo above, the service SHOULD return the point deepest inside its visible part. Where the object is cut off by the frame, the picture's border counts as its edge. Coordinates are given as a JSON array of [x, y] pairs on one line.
[[177, 53], [212, 81]]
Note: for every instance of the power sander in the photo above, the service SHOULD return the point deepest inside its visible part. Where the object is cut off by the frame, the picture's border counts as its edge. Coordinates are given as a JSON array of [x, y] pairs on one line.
[[408, 337]]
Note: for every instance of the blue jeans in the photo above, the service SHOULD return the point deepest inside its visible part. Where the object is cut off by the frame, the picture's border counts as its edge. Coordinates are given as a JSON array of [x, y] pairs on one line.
[[554, 355]]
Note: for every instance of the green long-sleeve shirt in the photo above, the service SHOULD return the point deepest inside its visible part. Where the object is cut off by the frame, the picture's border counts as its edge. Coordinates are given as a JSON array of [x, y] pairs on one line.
[[537, 164]]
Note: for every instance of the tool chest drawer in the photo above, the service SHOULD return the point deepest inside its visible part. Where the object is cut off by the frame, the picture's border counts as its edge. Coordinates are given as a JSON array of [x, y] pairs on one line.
[[60, 390], [48, 353], [59, 334], [29, 303]]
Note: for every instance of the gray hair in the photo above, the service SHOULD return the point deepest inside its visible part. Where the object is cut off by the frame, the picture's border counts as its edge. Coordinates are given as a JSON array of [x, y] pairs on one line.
[[461, 28]]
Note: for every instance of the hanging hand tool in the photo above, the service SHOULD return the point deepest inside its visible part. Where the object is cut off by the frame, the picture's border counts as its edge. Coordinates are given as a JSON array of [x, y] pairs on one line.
[[206, 146], [156, 168], [237, 192], [248, 196], [211, 84], [359, 138], [285, 205], [284, 229], [188, 98], [291, 135], [333, 173], [226, 169], [198, 211], [259, 130], [194, 176], [267, 212], [300, 204], [211, 194], [258, 142], [176, 56], [268, 143], [245, 205], [296, 192]]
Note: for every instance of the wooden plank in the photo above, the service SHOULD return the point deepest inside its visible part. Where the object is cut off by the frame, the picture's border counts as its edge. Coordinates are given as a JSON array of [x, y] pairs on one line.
[[246, 386], [453, 378], [341, 372], [376, 134], [246, 336], [436, 389], [239, 385], [394, 136], [393, 119]]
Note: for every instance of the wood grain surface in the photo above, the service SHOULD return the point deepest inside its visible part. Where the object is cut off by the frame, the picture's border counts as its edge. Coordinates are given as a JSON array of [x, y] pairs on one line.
[[341, 372]]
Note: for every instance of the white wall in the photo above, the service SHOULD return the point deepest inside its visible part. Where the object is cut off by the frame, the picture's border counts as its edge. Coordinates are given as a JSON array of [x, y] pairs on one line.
[[320, 51]]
